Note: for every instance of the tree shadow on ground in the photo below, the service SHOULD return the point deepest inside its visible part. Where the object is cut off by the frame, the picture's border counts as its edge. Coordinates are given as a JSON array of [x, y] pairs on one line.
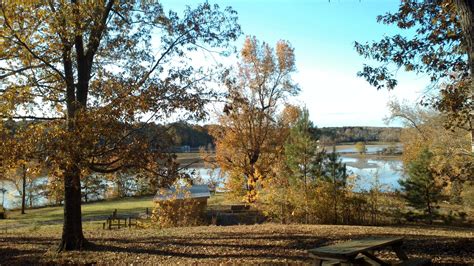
[[261, 247], [283, 247], [23, 250], [199, 255]]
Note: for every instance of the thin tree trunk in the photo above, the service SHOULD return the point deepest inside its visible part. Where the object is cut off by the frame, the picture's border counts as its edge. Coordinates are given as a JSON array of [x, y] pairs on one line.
[[430, 214], [23, 193], [335, 192], [306, 196]]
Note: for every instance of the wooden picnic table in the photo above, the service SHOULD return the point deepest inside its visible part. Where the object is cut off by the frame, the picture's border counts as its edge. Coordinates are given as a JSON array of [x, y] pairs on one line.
[[356, 252]]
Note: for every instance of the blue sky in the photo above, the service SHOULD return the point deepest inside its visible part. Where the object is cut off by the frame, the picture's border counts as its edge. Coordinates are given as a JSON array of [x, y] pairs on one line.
[[323, 34]]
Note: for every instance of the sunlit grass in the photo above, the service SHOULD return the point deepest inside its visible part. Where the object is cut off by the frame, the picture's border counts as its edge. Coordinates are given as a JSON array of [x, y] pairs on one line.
[[92, 213], [128, 206]]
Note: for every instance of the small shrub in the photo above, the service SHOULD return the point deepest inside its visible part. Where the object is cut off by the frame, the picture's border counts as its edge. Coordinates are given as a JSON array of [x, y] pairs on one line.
[[179, 209]]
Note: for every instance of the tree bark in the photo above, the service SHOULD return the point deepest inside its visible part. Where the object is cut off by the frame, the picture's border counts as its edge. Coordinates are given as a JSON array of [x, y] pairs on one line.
[[72, 236], [86, 188], [465, 9], [23, 192]]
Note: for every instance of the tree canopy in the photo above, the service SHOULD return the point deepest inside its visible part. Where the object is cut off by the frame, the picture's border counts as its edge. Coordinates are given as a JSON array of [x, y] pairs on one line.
[[251, 135], [436, 43], [92, 71]]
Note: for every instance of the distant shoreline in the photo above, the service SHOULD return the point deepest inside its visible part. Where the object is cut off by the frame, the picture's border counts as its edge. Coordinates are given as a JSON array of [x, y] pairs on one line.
[[194, 160]]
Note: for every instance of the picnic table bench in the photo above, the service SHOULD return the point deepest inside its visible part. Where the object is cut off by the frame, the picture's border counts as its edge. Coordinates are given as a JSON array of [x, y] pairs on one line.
[[115, 220], [361, 252]]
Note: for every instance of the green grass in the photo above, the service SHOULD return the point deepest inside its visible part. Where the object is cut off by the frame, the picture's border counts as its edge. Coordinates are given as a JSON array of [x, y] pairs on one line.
[[128, 206], [125, 206]]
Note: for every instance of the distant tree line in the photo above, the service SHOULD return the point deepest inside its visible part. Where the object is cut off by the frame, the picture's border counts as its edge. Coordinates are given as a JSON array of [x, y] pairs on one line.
[[186, 134], [198, 136], [356, 134]]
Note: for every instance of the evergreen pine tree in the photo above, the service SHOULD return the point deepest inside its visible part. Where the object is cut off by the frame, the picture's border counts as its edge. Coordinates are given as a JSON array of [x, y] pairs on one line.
[[337, 175], [301, 157], [301, 149], [421, 190]]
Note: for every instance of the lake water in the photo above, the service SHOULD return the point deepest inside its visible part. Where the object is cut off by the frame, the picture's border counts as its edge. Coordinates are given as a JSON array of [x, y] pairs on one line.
[[388, 171]]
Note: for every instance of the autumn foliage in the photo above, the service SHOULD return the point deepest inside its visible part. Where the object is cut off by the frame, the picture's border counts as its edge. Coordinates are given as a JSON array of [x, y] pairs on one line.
[[253, 124], [94, 76]]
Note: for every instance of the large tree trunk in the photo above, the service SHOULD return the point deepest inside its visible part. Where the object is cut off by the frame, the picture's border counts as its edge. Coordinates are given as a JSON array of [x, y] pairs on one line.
[[76, 100], [465, 12], [72, 237]]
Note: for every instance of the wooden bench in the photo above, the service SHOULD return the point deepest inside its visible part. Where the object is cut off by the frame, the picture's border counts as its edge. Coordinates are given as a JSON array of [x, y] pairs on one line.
[[112, 222], [116, 221], [361, 252]]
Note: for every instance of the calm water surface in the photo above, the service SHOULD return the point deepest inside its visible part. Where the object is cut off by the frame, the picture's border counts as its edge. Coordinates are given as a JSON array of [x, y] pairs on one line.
[[388, 171]]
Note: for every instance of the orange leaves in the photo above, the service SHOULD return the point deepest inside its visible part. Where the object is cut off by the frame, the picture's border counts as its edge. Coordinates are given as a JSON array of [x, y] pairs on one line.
[[252, 129], [285, 55]]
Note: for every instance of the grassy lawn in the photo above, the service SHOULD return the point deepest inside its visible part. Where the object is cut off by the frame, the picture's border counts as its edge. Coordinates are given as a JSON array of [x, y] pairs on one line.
[[95, 212], [89, 211], [35, 241]]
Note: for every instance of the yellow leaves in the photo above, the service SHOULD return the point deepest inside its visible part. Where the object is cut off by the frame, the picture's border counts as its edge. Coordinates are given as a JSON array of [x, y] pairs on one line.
[[252, 131], [249, 49], [285, 55]]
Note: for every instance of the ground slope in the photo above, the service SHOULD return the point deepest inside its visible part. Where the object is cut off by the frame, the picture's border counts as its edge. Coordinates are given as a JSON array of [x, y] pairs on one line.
[[254, 244]]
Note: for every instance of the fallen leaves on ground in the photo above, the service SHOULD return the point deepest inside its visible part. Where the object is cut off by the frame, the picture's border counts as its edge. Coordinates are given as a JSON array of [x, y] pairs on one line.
[[245, 244]]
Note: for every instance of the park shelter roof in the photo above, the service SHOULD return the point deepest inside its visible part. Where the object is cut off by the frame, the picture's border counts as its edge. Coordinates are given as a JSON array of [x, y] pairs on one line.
[[196, 191]]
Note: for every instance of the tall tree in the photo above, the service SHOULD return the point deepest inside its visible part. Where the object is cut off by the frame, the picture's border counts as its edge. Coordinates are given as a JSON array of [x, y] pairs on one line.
[[301, 155], [19, 154], [465, 10], [442, 48], [301, 149], [250, 137], [93, 70], [336, 173], [421, 189]]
